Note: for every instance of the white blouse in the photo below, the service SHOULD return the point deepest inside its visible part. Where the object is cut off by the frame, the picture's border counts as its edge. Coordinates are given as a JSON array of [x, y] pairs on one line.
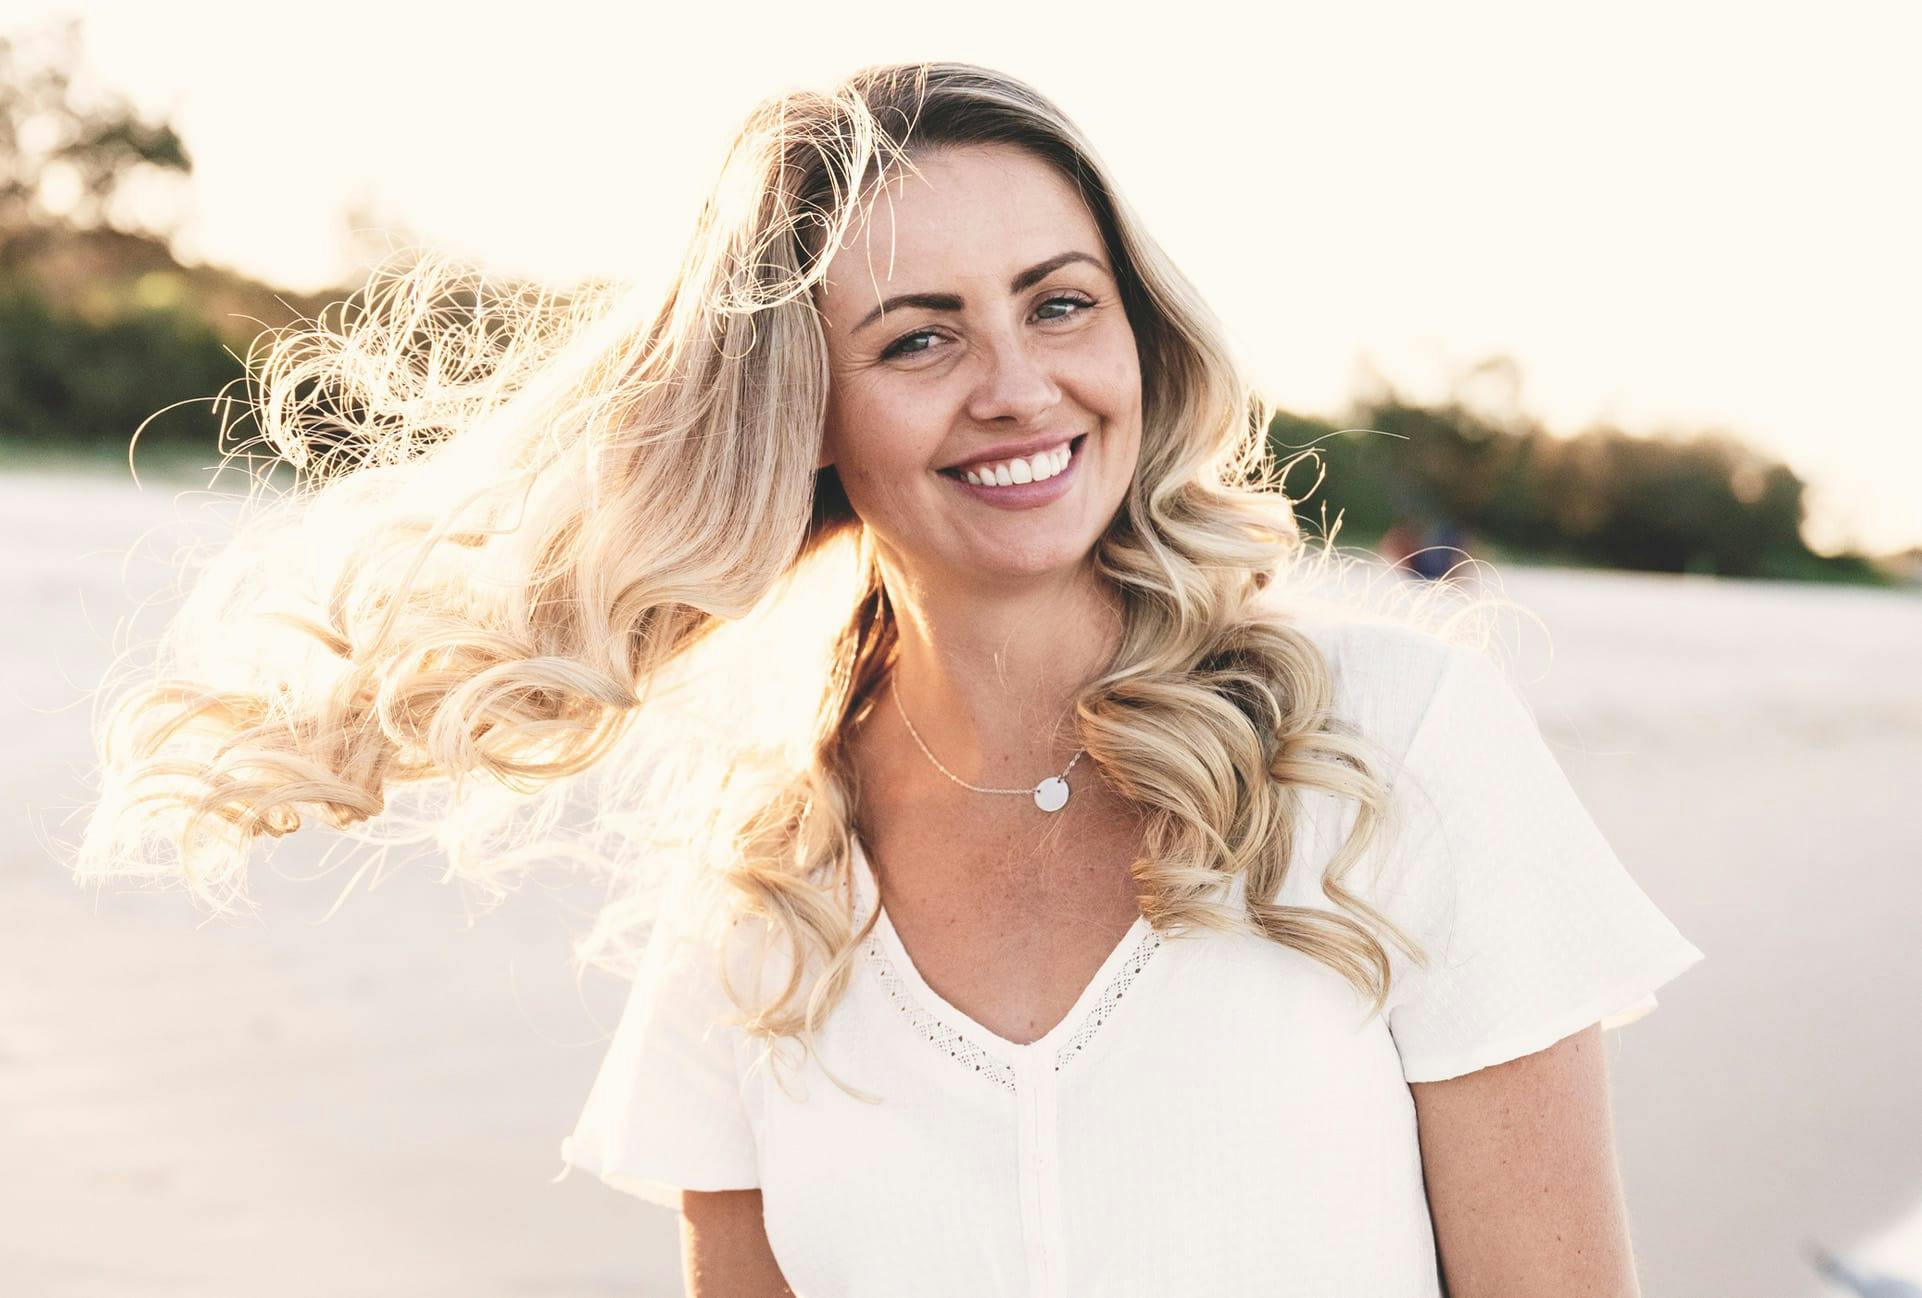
[[1214, 1116]]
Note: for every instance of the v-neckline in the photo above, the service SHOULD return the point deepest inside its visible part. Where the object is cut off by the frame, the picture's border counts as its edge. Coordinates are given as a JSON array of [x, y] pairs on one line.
[[1097, 987]]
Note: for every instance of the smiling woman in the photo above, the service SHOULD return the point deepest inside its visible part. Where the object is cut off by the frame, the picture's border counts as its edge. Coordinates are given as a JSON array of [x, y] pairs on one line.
[[1180, 923]]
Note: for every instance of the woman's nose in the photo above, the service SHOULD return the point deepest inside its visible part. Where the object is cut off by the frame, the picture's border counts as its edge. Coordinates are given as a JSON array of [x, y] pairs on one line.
[[1015, 385]]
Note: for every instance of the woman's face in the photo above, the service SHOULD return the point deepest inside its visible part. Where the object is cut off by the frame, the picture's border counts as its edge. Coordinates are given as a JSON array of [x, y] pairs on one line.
[[973, 321]]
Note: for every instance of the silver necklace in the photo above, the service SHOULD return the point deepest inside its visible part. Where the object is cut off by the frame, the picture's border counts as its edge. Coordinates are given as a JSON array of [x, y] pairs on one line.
[[1049, 795]]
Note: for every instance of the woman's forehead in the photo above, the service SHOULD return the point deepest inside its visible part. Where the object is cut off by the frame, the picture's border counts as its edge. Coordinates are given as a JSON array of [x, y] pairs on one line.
[[972, 213]]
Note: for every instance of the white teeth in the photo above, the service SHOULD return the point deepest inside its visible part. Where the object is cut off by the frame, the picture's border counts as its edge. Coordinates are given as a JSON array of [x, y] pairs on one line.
[[1036, 468]]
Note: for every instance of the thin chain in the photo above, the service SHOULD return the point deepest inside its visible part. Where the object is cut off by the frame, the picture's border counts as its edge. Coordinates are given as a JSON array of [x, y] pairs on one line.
[[1027, 793]]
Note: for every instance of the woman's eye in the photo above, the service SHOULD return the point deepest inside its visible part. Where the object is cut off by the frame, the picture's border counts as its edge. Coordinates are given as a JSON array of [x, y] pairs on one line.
[[1069, 300], [902, 346]]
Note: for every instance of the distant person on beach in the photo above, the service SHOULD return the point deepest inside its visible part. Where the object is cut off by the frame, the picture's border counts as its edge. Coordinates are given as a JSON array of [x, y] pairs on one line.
[[1431, 551], [1126, 910], [1399, 541], [1442, 551]]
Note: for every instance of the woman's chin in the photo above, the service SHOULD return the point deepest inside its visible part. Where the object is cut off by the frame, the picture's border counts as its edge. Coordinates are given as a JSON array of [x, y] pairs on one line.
[[1006, 570]]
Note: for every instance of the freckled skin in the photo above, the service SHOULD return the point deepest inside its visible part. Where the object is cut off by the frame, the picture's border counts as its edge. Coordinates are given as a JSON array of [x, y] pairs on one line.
[[1009, 366]]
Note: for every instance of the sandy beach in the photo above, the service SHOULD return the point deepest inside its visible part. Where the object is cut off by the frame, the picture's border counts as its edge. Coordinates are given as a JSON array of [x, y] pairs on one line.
[[373, 1103]]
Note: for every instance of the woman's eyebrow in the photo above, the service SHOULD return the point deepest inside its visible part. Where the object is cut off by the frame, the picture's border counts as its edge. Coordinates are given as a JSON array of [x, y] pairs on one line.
[[953, 302]]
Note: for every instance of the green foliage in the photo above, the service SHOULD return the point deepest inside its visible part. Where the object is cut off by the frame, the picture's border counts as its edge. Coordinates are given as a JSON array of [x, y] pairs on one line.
[[100, 327], [72, 383], [1357, 477], [1706, 503]]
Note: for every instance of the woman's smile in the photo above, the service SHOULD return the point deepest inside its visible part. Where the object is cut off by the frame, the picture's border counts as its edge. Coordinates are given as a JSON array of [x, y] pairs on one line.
[[1024, 482]]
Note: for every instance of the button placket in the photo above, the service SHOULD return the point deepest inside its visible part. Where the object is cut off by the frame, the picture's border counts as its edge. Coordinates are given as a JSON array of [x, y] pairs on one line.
[[1036, 1084]]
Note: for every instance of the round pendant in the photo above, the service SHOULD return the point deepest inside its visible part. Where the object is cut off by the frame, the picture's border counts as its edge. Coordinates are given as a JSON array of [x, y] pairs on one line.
[[1051, 794]]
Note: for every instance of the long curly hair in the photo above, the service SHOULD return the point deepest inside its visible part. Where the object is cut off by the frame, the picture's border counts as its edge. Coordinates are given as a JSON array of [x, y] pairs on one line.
[[538, 545]]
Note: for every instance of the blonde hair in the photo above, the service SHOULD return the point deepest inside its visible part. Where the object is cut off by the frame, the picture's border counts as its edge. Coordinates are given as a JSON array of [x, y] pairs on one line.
[[533, 539]]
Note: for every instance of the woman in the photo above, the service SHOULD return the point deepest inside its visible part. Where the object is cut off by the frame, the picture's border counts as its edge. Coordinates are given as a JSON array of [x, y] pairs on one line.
[[1136, 916]]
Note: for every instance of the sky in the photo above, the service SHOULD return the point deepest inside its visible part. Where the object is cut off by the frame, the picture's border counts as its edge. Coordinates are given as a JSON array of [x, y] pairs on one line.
[[1675, 217]]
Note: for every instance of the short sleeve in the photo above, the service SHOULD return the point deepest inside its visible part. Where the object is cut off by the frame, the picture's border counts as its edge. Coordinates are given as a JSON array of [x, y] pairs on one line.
[[1533, 927], [666, 1110]]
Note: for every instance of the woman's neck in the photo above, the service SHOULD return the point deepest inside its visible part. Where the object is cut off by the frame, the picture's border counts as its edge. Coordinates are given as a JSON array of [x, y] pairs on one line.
[[986, 675]]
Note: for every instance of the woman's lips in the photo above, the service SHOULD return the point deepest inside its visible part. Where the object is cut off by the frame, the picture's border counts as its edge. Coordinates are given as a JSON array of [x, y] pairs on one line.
[[1025, 495]]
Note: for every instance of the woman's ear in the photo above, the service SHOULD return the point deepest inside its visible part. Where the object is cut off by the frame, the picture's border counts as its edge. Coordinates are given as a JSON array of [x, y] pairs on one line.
[[825, 456]]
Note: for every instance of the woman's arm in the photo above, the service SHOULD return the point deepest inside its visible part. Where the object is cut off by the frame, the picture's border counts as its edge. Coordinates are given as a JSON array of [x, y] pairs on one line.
[[1519, 1161], [724, 1248]]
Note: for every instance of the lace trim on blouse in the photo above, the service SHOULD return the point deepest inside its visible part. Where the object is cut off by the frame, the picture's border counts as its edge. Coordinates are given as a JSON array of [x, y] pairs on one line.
[[972, 1054], [965, 1050], [1097, 1015]]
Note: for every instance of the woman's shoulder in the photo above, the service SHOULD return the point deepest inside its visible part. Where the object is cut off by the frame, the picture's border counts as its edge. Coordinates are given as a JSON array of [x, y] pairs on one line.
[[703, 934], [1385, 670], [1372, 646]]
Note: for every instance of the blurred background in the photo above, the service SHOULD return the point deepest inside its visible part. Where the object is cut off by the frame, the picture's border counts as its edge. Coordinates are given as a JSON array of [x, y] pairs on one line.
[[1620, 304]]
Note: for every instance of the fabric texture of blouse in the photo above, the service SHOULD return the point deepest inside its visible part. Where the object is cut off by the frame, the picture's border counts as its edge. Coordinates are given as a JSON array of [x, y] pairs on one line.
[[1217, 1114]]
